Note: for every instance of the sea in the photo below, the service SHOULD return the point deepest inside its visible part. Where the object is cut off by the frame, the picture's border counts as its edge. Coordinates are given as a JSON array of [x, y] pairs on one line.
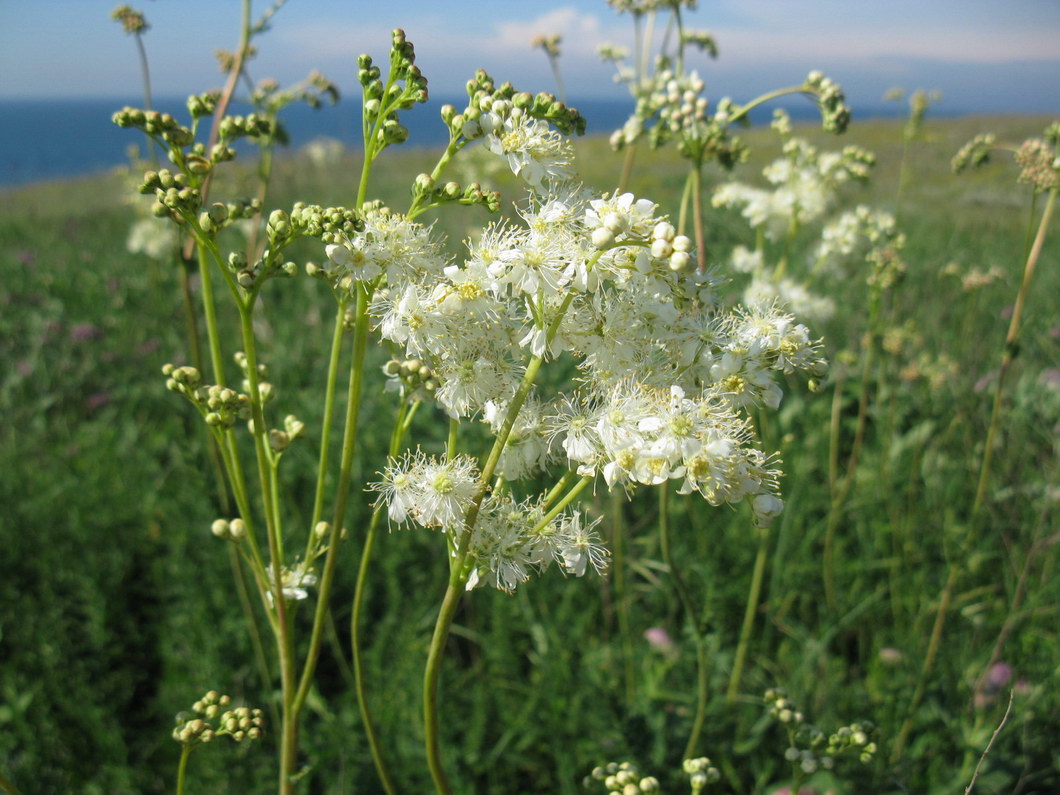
[[55, 139]]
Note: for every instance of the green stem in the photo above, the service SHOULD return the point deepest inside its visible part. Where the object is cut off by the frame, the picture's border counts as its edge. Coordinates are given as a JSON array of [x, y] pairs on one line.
[[697, 217], [627, 167], [560, 506], [289, 732], [400, 427], [901, 178], [450, 444], [182, 768], [430, 686], [1010, 351], [686, 196], [210, 311], [685, 597], [553, 62], [264, 175], [457, 574], [329, 413], [558, 489], [145, 77], [618, 582], [252, 625], [349, 447], [929, 662], [748, 616], [741, 112], [458, 577]]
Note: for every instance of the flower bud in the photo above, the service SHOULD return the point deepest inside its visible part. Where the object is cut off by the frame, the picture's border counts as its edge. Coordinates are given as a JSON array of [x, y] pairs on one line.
[[219, 528], [679, 261], [602, 237], [237, 528], [661, 249]]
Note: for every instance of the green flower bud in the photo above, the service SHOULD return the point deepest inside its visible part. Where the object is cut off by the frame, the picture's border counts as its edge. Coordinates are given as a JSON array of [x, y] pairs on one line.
[[220, 529]]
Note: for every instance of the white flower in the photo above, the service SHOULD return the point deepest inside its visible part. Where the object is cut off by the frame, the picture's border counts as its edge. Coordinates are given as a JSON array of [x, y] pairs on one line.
[[533, 150], [293, 582]]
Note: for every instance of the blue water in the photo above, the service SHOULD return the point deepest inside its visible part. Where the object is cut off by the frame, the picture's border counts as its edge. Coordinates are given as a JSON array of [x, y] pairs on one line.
[[52, 139]]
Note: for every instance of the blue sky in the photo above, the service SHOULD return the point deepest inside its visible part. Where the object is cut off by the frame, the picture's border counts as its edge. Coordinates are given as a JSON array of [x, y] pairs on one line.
[[984, 55]]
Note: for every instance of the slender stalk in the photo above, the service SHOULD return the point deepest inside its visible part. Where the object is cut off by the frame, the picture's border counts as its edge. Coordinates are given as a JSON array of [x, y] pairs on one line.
[[457, 573], [225, 99], [833, 434], [400, 428], [929, 662], [329, 413], [685, 597], [1010, 352], [748, 616], [289, 731], [450, 444], [210, 311], [458, 577], [741, 112], [902, 166], [618, 582], [558, 489], [697, 215], [264, 175], [553, 62], [686, 196], [430, 685], [182, 768], [349, 447], [561, 506], [252, 623], [145, 78], [627, 167]]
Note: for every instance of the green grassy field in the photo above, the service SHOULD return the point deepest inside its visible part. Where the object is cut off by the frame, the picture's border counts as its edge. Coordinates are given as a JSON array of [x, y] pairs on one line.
[[117, 607]]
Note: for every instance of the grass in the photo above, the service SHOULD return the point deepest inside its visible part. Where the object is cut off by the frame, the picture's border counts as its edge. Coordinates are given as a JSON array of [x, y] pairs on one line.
[[117, 608]]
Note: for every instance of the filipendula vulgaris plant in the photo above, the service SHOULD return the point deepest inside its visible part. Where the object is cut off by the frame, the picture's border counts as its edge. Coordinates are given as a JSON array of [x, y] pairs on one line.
[[604, 280], [516, 128], [1039, 162], [665, 372], [912, 131], [805, 186], [671, 107]]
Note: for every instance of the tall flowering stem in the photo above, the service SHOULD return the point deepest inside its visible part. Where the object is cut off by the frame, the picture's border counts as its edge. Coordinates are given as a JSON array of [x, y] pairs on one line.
[[458, 579], [397, 436], [744, 642], [1009, 353], [691, 616]]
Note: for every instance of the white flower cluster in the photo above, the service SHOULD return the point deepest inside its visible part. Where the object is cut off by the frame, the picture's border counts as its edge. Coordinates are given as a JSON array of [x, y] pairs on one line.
[[790, 294], [534, 151], [389, 244], [153, 237], [511, 540], [637, 434], [605, 281], [805, 184], [848, 239]]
